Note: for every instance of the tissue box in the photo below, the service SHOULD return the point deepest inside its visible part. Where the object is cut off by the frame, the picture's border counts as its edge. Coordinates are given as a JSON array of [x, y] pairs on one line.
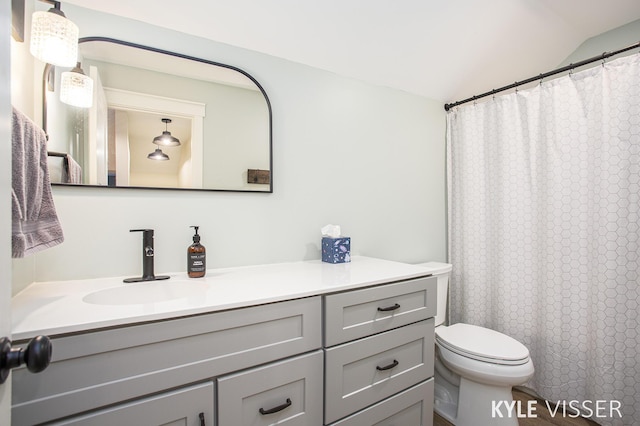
[[336, 250]]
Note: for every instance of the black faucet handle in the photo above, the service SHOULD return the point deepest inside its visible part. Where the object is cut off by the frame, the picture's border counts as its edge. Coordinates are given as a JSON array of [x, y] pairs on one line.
[[141, 230]]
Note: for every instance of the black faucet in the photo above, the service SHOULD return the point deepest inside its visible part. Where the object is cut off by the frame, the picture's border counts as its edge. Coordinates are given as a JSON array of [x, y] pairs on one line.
[[147, 259]]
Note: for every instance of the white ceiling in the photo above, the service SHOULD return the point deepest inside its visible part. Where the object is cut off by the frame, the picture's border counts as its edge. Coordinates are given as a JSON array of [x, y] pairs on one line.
[[445, 50]]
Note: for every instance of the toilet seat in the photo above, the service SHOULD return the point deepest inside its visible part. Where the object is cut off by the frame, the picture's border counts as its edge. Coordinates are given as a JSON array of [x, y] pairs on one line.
[[482, 344]]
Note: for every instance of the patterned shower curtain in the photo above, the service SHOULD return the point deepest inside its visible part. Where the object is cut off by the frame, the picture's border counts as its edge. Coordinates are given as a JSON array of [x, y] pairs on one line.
[[544, 231]]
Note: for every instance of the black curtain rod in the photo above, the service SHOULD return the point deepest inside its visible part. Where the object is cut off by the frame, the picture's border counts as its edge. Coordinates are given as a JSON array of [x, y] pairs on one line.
[[569, 67]]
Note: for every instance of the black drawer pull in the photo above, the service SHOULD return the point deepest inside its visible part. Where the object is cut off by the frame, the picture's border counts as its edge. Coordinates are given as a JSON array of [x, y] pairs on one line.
[[389, 308], [388, 367], [275, 409], [202, 419]]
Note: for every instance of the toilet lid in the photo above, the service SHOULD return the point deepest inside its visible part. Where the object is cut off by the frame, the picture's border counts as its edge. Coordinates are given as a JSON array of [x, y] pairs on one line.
[[482, 344]]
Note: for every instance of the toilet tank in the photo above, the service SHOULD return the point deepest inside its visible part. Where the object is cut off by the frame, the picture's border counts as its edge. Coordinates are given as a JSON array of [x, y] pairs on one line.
[[441, 271]]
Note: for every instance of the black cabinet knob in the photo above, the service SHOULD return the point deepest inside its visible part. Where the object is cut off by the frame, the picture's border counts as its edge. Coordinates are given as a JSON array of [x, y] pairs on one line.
[[36, 355]]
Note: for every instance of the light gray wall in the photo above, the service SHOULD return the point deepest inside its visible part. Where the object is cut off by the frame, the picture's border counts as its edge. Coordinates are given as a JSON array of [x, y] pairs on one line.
[[368, 158], [610, 41]]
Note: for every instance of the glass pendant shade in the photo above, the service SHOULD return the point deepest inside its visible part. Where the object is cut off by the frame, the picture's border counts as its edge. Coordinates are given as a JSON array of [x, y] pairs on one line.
[[76, 88], [165, 139], [54, 38], [158, 155]]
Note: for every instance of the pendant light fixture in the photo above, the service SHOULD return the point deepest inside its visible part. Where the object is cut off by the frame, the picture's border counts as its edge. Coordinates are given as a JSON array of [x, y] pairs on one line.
[[54, 38], [77, 88], [165, 139], [158, 155]]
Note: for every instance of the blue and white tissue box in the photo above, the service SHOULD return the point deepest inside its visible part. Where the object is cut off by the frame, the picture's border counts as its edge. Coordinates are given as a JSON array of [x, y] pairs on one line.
[[336, 250]]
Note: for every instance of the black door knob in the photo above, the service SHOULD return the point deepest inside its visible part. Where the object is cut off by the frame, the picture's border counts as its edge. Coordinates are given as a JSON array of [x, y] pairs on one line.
[[36, 355]]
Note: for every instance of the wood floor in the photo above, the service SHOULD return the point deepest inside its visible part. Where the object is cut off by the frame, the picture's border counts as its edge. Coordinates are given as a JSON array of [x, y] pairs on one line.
[[544, 417]]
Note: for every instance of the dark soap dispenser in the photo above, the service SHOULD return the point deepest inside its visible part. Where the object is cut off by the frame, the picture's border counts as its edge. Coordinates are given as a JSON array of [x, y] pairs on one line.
[[196, 257]]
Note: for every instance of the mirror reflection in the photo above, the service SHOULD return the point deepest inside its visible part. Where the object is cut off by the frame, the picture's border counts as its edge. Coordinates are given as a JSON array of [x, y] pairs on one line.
[[219, 114]]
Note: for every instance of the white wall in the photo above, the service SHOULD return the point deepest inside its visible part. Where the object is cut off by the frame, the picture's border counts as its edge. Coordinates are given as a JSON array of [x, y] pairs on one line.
[[5, 193], [22, 73], [368, 158]]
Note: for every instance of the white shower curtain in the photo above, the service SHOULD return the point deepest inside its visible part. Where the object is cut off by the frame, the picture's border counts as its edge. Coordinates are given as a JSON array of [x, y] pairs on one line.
[[544, 230]]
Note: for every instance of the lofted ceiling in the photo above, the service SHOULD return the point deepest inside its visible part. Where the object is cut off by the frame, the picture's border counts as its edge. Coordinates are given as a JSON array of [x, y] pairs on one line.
[[444, 50]]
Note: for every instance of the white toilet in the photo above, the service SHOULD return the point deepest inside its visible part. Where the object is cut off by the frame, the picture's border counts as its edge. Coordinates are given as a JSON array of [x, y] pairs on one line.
[[475, 367]]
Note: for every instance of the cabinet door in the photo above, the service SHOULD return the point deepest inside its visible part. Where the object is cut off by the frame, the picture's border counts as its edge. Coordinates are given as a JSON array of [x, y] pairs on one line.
[[286, 392], [188, 406]]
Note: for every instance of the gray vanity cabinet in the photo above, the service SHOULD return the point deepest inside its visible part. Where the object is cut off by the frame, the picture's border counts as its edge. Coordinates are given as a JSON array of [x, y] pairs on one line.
[[107, 368], [257, 365], [379, 355]]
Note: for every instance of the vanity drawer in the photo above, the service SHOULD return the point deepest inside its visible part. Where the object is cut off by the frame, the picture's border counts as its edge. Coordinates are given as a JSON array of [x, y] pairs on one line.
[[359, 313], [413, 407], [361, 373], [287, 392], [96, 369]]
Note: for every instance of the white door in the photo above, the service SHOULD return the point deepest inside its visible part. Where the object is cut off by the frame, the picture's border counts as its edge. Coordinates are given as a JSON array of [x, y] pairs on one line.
[[5, 196], [97, 156]]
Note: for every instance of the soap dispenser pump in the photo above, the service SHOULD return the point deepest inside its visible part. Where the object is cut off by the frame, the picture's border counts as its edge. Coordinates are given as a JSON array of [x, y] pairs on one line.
[[196, 257]]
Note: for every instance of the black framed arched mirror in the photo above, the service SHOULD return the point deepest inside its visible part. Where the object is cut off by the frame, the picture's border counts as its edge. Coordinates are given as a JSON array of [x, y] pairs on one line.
[[220, 114]]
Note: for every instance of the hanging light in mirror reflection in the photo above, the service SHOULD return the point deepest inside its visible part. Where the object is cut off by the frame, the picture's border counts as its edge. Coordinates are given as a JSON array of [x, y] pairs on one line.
[[54, 38], [158, 155], [165, 139], [77, 88]]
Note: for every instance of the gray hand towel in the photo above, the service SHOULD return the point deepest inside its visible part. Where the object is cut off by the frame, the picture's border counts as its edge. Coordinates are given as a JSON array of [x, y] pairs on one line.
[[74, 171], [35, 223]]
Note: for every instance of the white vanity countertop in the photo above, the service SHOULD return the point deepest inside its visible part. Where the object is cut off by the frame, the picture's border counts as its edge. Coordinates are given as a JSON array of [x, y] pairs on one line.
[[61, 307]]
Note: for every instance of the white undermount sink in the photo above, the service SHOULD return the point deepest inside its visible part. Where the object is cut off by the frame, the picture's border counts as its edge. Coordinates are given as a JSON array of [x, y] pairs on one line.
[[146, 292]]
